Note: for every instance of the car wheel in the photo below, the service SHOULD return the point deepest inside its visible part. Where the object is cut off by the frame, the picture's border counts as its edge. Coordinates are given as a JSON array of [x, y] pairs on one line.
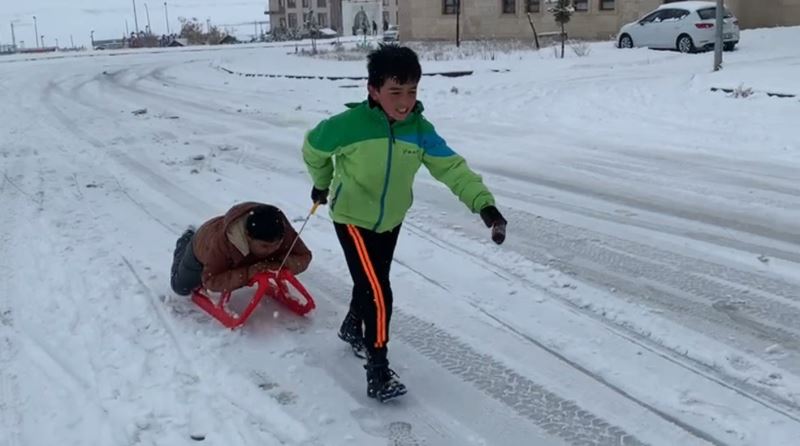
[[625, 41], [685, 44], [729, 46]]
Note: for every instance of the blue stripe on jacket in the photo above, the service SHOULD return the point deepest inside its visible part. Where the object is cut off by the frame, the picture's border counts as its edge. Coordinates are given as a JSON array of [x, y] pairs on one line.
[[431, 143]]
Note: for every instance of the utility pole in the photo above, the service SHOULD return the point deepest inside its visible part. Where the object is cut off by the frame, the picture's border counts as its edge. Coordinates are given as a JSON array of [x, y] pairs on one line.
[[13, 37], [458, 23], [718, 42], [147, 11], [36, 30], [135, 18], [166, 17], [71, 42]]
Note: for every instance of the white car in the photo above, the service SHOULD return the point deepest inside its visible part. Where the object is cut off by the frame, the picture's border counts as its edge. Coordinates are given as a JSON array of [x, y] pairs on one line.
[[391, 34], [687, 26]]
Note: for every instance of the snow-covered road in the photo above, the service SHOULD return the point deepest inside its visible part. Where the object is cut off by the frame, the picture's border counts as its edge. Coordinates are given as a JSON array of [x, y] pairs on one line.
[[648, 292]]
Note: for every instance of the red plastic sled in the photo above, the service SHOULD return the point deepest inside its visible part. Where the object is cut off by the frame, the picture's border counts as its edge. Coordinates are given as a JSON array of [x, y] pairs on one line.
[[278, 287]]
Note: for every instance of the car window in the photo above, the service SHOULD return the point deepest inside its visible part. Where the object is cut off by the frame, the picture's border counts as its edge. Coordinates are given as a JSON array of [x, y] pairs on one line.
[[711, 13], [663, 16], [649, 18], [673, 15]]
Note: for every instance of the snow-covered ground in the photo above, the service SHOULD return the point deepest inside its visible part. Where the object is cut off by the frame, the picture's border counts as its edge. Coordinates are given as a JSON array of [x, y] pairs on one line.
[[648, 291]]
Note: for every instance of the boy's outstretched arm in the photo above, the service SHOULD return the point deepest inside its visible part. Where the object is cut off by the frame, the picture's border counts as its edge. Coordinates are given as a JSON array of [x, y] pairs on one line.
[[451, 169], [319, 146]]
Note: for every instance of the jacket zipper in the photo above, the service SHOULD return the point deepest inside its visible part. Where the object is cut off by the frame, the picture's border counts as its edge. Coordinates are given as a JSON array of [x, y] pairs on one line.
[[336, 196], [386, 179]]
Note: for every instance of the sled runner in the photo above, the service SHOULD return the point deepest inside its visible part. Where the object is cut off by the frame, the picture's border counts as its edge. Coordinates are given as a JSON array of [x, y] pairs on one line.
[[283, 287]]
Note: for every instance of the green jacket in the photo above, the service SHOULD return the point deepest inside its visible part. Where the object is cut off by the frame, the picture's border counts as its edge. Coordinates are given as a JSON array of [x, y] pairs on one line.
[[368, 165]]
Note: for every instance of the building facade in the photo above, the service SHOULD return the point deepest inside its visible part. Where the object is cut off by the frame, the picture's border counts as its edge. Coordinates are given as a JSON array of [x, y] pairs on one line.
[[339, 15], [766, 13], [592, 19]]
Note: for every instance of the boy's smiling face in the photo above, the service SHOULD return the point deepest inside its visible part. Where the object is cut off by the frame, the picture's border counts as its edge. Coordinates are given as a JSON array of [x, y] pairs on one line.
[[396, 100]]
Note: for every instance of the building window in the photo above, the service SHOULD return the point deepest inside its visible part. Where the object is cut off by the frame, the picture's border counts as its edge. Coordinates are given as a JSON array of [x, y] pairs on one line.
[[581, 5], [322, 3], [291, 3], [449, 7], [322, 20], [385, 17], [292, 20], [607, 5], [535, 5], [283, 22], [306, 3], [509, 6], [280, 4], [385, 2]]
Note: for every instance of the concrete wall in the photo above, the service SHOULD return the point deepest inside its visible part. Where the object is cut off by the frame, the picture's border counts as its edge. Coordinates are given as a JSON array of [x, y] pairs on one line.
[[484, 19], [766, 13]]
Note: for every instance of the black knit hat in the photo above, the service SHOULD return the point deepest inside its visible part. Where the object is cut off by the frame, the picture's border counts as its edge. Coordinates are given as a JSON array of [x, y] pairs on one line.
[[265, 223]]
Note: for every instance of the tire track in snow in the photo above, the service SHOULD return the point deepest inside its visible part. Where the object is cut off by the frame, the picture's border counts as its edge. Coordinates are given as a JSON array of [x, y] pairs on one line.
[[693, 286], [499, 370], [553, 414], [664, 207], [10, 402], [760, 395], [148, 176]]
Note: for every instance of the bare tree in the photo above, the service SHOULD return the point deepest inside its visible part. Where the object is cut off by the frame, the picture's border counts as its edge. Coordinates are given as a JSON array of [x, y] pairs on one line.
[[192, 31]]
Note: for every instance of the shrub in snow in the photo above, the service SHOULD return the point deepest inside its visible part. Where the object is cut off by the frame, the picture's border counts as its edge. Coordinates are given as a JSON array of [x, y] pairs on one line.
[[364, 46], [742, 92], [580, 48]]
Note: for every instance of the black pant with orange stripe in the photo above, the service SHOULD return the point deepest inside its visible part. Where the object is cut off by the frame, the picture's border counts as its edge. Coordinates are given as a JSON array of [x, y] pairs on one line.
[[369, 257]]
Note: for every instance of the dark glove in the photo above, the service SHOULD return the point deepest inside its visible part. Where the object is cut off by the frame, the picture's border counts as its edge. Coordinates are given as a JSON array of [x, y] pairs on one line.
[[319, 195], [493, 219]]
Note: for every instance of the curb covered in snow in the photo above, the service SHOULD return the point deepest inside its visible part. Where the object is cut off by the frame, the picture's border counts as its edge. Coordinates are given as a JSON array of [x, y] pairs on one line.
[[768, 93], [338, 78]]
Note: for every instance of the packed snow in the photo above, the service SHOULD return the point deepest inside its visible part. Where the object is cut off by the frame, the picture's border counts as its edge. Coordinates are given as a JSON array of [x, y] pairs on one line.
[[648, 291]]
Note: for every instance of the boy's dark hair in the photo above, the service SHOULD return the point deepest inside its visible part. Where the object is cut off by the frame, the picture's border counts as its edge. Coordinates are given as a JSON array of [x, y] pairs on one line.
[[391, 61], [265, 223]]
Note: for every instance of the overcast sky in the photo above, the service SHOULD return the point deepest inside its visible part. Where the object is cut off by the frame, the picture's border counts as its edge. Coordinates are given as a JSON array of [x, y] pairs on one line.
[[58, 19]]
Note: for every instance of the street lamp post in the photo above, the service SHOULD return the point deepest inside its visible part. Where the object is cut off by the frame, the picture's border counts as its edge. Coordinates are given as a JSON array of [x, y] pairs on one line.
[[135, 18], [36, 31], [13, 37], [718, 45], [91, 37], [458, 23], [147, 12], [166, 17]]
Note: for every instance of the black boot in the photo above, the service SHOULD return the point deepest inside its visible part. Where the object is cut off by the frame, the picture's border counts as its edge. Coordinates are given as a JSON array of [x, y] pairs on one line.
[[352, 333], [382, 382], [180, 247]]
